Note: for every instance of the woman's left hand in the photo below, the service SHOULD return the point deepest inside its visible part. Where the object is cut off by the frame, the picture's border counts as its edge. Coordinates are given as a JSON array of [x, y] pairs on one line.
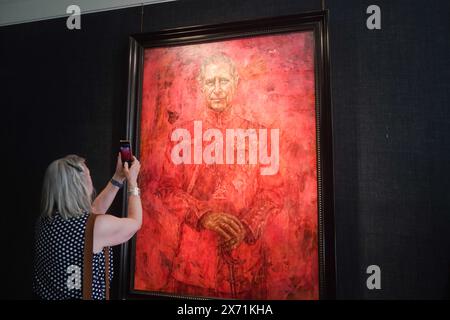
[[119, 175]]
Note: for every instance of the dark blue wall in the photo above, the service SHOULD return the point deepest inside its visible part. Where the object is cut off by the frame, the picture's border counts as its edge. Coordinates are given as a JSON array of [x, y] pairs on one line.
[[391, 102]]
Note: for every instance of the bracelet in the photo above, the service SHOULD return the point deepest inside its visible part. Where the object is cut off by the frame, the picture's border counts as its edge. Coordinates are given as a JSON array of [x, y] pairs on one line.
[[134, 191], [116, 183]]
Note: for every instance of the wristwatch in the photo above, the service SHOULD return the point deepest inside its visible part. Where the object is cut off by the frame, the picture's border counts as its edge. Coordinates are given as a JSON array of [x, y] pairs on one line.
[[134, 191], [116, 183]]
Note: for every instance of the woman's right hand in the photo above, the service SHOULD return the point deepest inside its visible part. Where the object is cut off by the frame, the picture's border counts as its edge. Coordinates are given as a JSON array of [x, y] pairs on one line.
[[132, 173]]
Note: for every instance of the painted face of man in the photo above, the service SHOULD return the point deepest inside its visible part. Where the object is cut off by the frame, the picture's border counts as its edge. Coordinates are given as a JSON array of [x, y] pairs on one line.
[[218, 86]]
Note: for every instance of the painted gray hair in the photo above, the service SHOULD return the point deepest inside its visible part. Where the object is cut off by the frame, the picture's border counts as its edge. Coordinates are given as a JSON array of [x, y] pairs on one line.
[[218, 58], [65, 188]]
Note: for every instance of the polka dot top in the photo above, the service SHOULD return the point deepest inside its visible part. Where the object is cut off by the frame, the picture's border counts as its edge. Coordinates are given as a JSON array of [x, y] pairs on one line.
[[58, 266]]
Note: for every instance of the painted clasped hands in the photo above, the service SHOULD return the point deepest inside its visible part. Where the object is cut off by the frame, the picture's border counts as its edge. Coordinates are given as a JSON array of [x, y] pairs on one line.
[[228, 227]]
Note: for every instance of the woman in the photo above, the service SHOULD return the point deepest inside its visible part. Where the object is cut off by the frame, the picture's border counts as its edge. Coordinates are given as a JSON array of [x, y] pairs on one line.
[[66, 204]]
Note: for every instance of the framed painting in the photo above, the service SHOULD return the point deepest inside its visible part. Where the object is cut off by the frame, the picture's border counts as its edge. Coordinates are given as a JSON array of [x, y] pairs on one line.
[[232, 126]]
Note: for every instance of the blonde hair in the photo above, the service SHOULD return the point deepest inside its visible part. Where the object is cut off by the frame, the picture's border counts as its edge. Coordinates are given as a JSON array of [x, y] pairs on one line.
[[65, 188]]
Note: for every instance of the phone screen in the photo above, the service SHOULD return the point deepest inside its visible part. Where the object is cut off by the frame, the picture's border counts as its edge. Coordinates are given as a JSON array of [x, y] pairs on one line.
[[125, 152]]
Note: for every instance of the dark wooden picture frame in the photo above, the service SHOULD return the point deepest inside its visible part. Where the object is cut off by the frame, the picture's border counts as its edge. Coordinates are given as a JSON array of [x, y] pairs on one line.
[[310, 21]]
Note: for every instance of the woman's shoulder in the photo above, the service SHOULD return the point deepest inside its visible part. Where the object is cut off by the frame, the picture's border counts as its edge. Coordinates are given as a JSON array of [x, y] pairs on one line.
[[75, 220], [57, 218]]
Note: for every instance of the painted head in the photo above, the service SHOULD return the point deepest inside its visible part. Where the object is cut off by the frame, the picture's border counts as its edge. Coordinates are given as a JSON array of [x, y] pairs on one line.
[[218, 79]]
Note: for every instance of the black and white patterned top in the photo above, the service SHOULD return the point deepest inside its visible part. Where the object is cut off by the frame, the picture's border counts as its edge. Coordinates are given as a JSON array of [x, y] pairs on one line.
[[58, 266]]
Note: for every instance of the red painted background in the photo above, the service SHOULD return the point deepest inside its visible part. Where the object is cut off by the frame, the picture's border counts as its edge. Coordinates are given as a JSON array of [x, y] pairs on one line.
[[276, 89]]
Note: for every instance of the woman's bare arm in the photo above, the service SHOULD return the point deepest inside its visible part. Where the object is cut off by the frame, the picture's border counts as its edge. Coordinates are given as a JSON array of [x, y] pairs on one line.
[[104, 200], [110, 230]]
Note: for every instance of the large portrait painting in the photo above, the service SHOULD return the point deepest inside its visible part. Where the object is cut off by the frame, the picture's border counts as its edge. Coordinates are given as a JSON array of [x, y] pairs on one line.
[[227, 127]]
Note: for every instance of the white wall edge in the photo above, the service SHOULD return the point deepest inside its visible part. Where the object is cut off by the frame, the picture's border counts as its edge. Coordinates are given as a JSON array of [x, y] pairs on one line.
[[6, 20]]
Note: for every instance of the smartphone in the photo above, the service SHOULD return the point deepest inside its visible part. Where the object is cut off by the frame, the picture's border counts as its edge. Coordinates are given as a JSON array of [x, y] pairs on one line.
[[125, 152]]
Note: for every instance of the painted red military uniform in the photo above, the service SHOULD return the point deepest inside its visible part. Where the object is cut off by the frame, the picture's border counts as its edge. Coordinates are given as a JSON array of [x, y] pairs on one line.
[[189, 191]]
